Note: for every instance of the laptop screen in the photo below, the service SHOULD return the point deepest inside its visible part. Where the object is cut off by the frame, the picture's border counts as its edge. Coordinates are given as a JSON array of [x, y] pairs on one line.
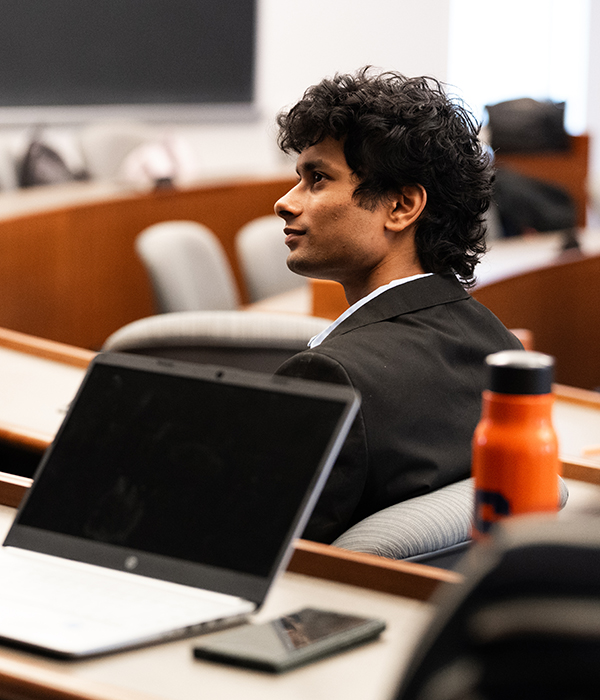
[[195, 463]]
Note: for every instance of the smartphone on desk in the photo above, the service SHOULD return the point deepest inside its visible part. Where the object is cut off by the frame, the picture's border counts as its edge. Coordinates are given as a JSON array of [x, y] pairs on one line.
[[289, 641]]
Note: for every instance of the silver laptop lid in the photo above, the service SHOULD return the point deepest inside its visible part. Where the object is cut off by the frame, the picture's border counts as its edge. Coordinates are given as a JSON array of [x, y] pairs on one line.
[[190, 473]]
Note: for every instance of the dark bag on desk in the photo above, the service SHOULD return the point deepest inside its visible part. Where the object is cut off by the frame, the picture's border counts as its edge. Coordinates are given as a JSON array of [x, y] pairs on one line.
[[42, 165], [527, 204], [526, 125]]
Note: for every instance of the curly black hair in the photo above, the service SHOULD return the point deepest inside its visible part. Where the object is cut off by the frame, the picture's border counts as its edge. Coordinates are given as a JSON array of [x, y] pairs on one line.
[[400, 131]]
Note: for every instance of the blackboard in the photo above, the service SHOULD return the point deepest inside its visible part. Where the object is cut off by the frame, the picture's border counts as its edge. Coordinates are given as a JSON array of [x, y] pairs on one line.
[[79, 53]]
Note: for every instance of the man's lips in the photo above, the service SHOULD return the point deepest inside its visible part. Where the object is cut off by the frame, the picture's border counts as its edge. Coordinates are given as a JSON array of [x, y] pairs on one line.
[[291, 234]]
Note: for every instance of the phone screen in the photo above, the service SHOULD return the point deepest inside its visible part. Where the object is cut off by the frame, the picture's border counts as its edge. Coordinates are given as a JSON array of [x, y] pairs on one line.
[[308, 626], [290, 640]]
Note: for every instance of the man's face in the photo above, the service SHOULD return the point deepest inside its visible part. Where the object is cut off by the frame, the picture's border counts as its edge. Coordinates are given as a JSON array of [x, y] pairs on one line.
[[329, 235]]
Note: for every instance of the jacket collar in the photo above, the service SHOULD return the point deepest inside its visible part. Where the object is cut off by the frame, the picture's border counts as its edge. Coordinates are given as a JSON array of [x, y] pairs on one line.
[[404, 299]]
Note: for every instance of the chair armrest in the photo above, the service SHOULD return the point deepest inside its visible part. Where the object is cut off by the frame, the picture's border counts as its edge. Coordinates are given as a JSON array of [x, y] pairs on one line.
[[434, 521], [425, 523]]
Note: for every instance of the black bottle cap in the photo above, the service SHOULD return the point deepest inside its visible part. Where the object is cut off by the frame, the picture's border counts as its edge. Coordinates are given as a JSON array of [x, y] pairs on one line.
[[520, 372]]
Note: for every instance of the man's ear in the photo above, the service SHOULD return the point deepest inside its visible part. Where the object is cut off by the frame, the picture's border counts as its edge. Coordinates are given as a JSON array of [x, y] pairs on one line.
[[406, 207]]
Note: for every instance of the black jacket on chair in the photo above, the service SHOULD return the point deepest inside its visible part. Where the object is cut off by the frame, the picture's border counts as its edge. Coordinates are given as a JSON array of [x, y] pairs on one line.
[[416, 354]]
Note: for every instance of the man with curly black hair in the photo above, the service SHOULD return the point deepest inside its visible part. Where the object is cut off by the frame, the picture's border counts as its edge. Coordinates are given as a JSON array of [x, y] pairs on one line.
[[393, 186]]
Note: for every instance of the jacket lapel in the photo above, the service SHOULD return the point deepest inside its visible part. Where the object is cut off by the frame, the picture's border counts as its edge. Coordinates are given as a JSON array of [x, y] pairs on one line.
[[404, 299]]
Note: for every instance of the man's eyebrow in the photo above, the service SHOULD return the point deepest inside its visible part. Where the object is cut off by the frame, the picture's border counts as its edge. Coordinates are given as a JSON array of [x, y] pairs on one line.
[[310, 165]]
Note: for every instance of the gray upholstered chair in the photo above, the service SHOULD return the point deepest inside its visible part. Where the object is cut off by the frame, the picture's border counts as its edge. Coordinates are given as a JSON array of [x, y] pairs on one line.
[[262, 253], [434, 528], [187, 266], [524, 622], [245, 339]]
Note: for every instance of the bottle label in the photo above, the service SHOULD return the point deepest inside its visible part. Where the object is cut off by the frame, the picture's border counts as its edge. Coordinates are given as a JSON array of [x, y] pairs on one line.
[[490, 506]]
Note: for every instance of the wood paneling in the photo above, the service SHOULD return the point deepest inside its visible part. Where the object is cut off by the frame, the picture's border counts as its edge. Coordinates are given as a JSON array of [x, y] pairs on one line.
[[72, 275], [560, 305], [328, 299]]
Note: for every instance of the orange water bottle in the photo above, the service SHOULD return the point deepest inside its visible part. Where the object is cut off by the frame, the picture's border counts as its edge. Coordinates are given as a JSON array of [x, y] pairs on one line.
[[515, 449]]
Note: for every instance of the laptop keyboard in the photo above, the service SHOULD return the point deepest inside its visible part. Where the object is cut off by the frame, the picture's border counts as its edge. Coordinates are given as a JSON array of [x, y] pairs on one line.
[[102, 595]]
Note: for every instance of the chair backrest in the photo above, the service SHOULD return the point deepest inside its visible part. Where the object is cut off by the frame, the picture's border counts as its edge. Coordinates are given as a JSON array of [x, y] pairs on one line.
[[262, 254], [244, 339], [187, 266], [524, 624]]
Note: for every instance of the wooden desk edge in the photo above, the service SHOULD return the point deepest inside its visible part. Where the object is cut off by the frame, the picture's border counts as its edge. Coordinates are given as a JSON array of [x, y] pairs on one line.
[[579, 469], [573, 394], [25, 438], [47, 349], [13, 488], [24, 680], [368, 570]]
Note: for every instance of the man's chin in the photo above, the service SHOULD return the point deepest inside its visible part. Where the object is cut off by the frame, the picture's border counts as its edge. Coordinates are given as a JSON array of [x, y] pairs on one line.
[[308, 268], [299, 266]]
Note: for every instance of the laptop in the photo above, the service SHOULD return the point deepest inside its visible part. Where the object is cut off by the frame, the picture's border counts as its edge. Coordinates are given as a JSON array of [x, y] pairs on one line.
[[167, 503]]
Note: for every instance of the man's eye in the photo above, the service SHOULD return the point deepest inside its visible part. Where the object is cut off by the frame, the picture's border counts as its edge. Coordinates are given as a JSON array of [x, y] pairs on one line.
[[317, 177]]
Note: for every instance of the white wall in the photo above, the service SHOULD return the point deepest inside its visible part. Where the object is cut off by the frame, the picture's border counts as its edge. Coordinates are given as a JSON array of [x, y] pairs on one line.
[[300, 42], [543, 55], [593, 108]]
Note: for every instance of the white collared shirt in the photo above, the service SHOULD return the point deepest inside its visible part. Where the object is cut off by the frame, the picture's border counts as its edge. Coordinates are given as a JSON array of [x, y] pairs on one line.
[[319, 338]]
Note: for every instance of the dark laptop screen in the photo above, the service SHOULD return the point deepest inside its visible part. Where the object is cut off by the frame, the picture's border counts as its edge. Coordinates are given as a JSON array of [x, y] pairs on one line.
[[203, 469]]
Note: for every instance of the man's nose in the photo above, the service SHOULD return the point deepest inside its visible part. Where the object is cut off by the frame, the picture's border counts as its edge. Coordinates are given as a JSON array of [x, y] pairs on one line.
[[287, 205]]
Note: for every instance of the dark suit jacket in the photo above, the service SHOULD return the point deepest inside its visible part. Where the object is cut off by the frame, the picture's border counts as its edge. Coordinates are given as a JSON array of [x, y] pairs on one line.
[[416, 354]]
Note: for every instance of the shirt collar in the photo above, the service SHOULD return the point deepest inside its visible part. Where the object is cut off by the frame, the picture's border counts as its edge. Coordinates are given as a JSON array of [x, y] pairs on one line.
[[320, 337]]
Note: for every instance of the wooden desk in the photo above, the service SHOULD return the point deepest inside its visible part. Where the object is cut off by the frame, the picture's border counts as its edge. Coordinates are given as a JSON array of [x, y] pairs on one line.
[[576, 416], [560, 305], [168, 670], [505, 260], [39, 379]]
